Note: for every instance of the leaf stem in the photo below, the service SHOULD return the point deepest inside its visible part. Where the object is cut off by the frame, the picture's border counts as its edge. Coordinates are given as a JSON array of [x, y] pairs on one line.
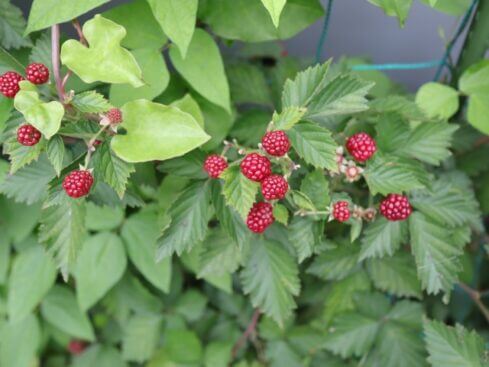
[[250, 330], [56, 62], [476, 297], [91, 143]]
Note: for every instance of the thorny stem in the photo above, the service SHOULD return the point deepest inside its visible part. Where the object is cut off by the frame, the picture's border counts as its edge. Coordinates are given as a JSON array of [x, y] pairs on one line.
[[476, 297], [56, 63], [250, 330]]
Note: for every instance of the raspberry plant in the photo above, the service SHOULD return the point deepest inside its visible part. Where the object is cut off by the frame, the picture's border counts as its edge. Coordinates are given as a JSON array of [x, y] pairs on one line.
[[211, 208]]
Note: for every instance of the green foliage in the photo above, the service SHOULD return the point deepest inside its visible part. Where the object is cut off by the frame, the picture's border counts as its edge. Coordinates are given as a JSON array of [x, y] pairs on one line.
[[238, 190]]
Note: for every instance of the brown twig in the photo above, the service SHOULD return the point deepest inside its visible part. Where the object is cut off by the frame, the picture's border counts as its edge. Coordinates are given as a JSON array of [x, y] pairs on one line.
[[250, 330], [476, 297], [56, 62], [79, 30]]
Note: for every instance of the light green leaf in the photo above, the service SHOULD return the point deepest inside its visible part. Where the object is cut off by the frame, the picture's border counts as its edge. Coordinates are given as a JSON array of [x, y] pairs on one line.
[[100, 356], [4, 259], [183, 347], [275, 8], [390, 174], [41, 14], [90, 102], [315, 145], [451, 7], [56, 153], [12, 25], [191, 305], [478, 111], [103, 218], [33, 274], [148, 124], [46, 117], [19, 342], [437, 100], [100, 265], [395, 8], [305, 235], [239, 191], [218, 354], [335, 264], [189, 214], [475, 80], [154, 72], [141, 335], [140, 233], [382, 237], [218, 122], [271, 278], [177, 19], [301, 200], [286, 119], [189, 105], [281, 214], [105, 60], [219, 255], [454, 346], [203, 54], [61, 310], [437, 258]]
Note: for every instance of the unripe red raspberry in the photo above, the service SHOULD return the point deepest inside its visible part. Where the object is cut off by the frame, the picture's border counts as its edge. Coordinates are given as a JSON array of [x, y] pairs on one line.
[[256, 167], [78, 183], [274, 187], [276, 143], [76, 347], [9, 83], [214, 165], [341, 211], [260, 217], [114, 115], [361, 146], [395, 207], [37, 73], [28, 135]]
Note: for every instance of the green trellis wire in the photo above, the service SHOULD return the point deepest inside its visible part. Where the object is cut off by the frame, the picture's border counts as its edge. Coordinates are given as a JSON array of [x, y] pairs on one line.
[[440, 63]]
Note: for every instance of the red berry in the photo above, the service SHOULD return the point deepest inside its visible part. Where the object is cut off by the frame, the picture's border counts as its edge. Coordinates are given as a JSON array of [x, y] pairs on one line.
[[9, 83], [260, 217], [78, 183], [274, 187], [256, 167], [341, 211], [276, 143], [76, 347], [395, 207], [361, 146], [114, 115], [214, 165], [37, 73], [28, 135]]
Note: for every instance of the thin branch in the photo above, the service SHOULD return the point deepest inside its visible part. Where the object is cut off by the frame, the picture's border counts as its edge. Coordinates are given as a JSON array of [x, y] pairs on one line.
[[56, 63], [250, 330], [79, 30], [476, 297]]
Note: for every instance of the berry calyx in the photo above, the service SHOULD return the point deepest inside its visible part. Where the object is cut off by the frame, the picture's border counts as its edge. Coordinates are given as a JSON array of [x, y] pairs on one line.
[[76, 347], [341, 211], [37, 73], [256, 167], [361, 146], [9, 83], [78, 183], [28, 135], [260, 217], [274, 187], [276, 143], [395, 207], [114, 115], [214, 165]]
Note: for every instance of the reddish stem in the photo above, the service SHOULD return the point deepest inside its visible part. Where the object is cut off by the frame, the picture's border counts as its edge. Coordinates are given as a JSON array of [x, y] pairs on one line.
[[56, 63], [79, 30], [250, 330]]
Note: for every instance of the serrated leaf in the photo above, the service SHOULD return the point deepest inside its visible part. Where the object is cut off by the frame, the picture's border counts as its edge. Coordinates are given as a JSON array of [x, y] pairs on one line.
[[189, 214], [281, 214], [391, 174], [316, 187], [382, 237], [286, 119], [141, 335], [437, 258], [56, 153], [335, 264], [63, 230], [398, 104], [453, 346], [437, 100], [41, 52], [271, 278], [305, 235], [9, 61], [301, 200], [12, 25], [90, 102], [239, 191], [21, 155], [315, 145], [219, 255]]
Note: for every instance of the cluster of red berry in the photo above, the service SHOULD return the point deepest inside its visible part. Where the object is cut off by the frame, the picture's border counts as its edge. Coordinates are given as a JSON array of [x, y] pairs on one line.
[[35, 73]]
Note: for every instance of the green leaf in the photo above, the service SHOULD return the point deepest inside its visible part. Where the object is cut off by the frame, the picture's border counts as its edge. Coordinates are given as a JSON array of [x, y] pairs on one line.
[[140, 233], [100, 265], [218, 354], [111, 169], [56, 153], [475, 80], [437, 258], [437, 100], [148, 124], [316, 187], [305, 234], [239, 191], [382, 237], [281, 214], [218, 122], [203, 54], [248, 84], [396, 275], [189, 105], [390, 174], [46, 117], [286, 119], [250, 126], [271, 278], [177, 18], [12, 25], [183, 347], [477, 112], [7, 60], [219, 255], [19, 342], [190, 214], [100, 356], [90, 102], [408, 109], [335, 264], [103, 218], [343, 95], [452, 7], [191, 305], [315, 145], [154, 72], [274, 7], [105, 60], [41, 15], [301, 200], [453, 346], [61, 310], [141, 335], [395, 8], [33, 274]]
